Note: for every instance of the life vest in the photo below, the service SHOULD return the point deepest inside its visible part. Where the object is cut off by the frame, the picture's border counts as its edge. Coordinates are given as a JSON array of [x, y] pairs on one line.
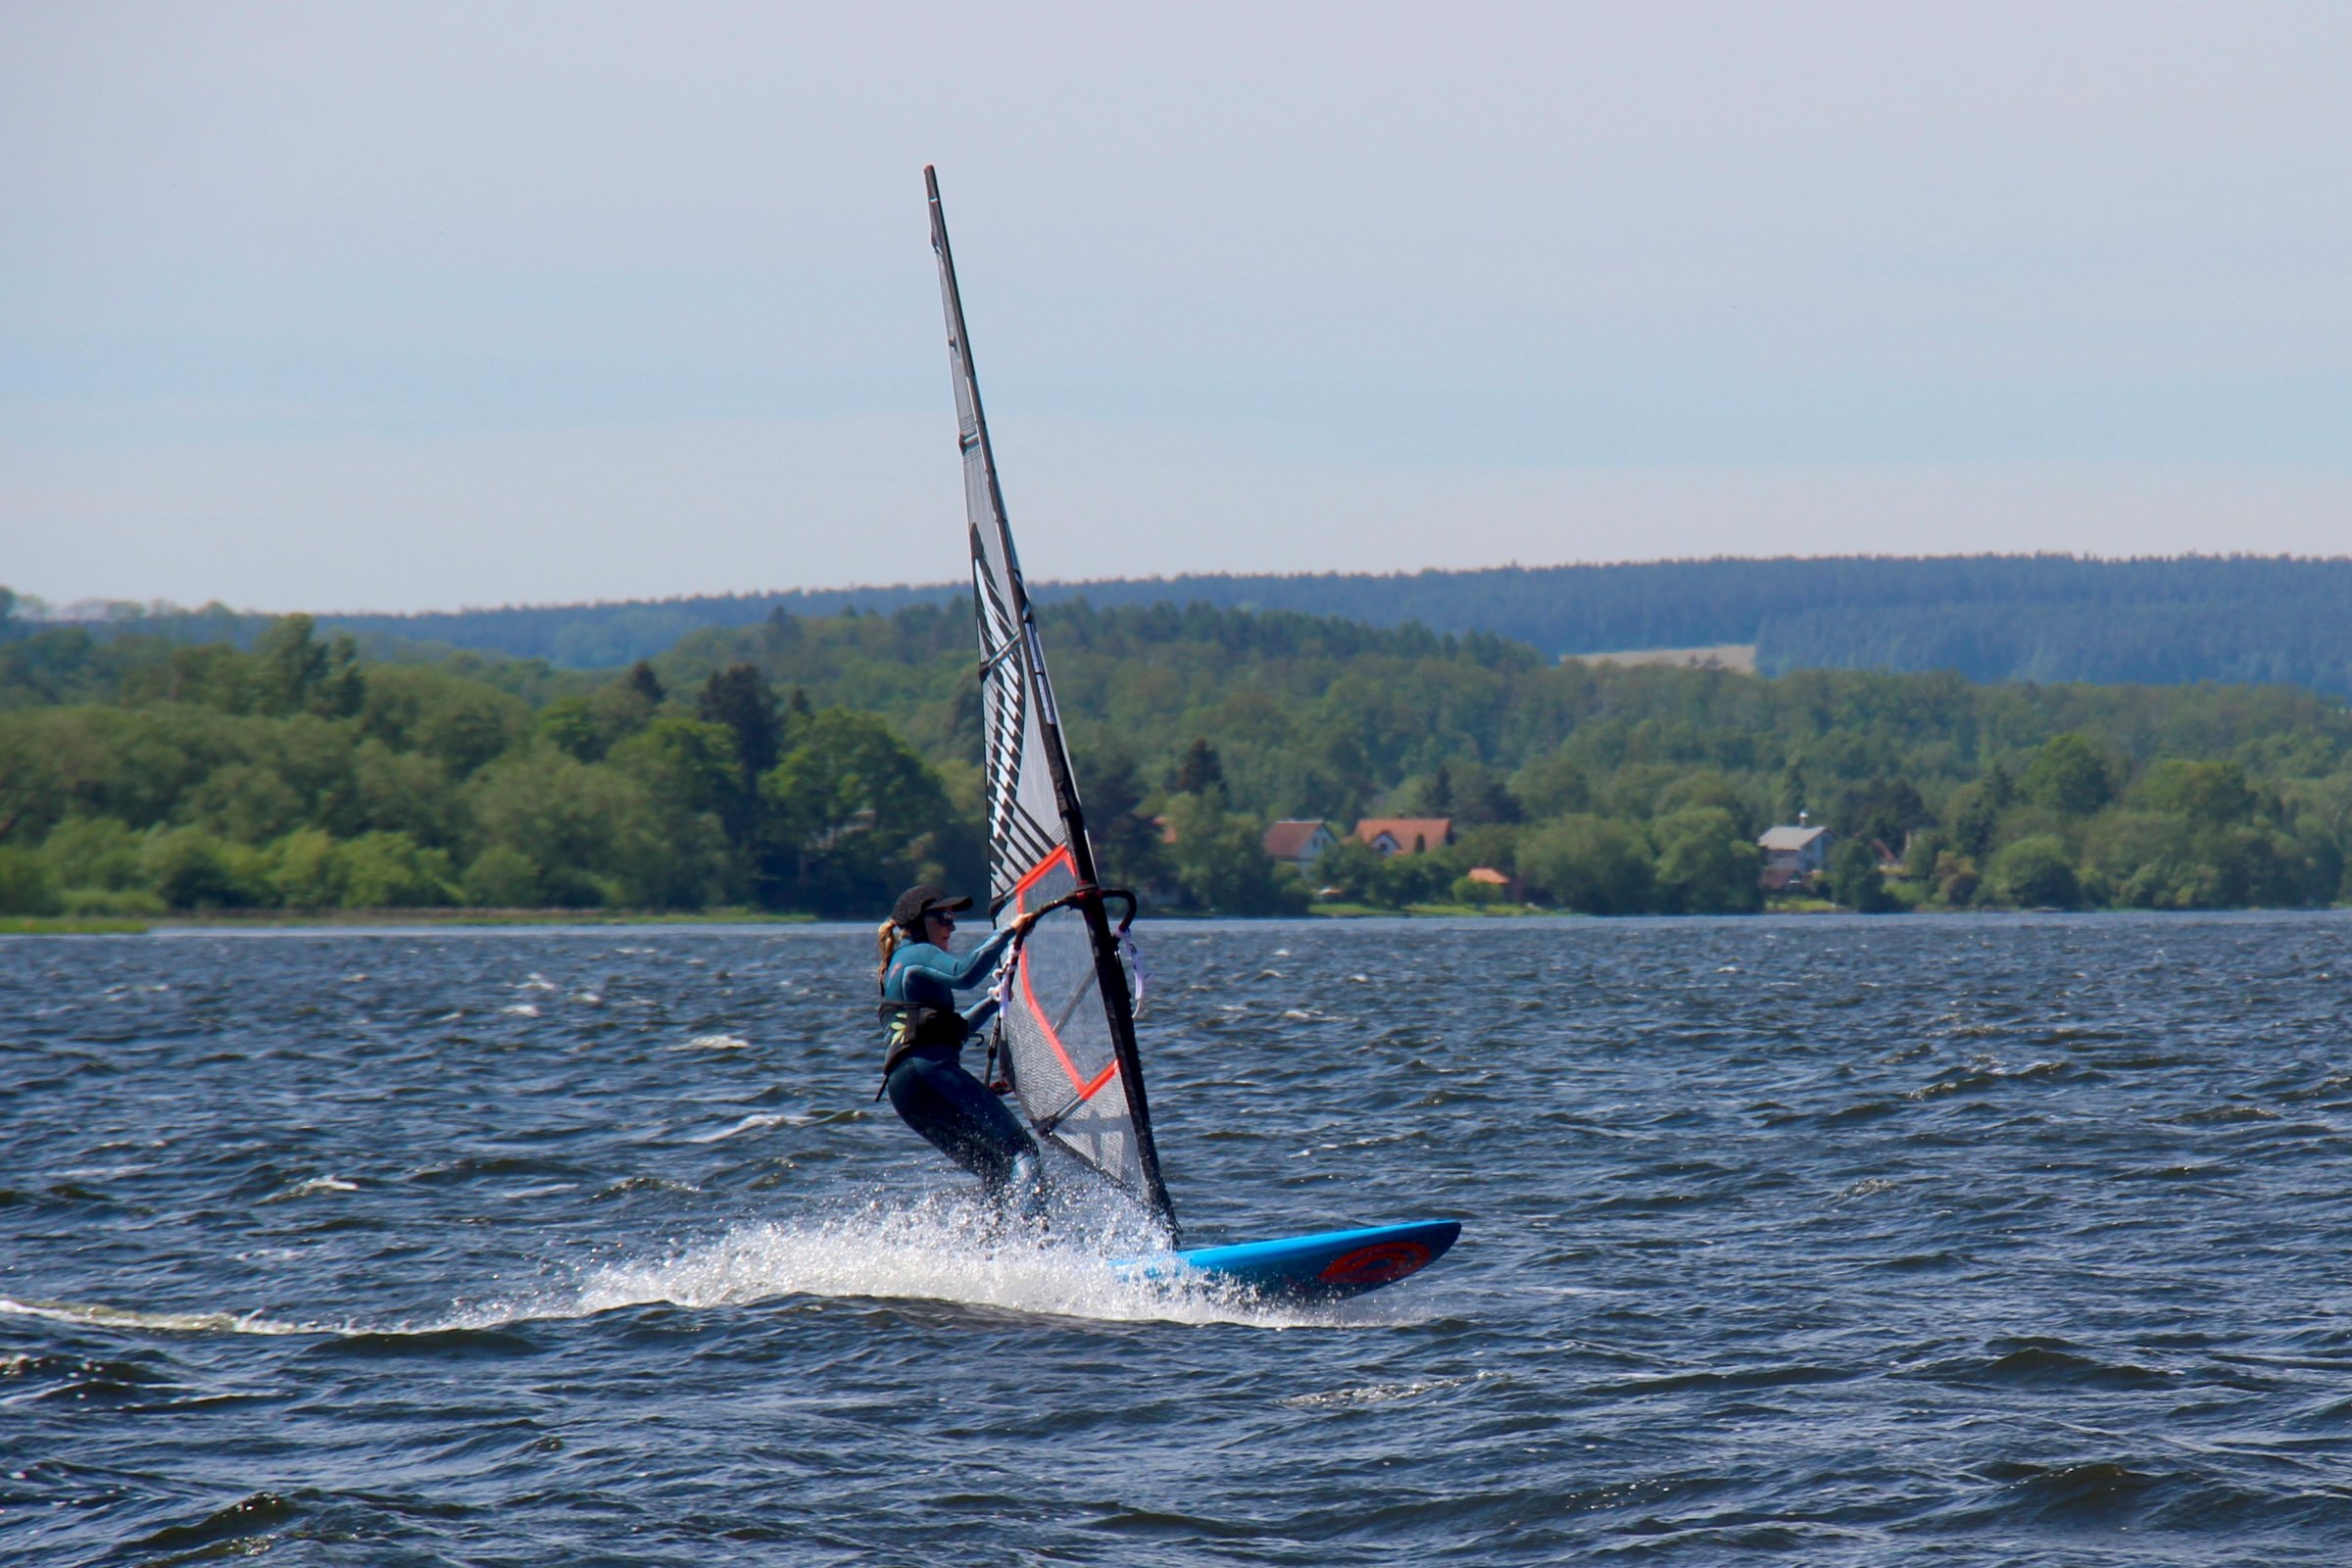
[[919, 1023], [908, 1025]]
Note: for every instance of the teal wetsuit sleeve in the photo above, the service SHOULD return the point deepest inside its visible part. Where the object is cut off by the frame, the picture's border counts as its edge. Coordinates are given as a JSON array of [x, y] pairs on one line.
[[983, 958], [927, 974], [992, 949]]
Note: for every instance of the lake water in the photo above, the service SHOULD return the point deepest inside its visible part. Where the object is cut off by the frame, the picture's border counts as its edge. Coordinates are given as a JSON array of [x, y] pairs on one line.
[[1938, 1240]]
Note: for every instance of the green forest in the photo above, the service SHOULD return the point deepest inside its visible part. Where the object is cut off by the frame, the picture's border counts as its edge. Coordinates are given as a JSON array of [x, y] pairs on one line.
[[2242, 620], [820, 763]]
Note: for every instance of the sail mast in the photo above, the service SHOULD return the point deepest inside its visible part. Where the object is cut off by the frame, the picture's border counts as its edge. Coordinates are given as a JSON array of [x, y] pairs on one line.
[[1019, 643]]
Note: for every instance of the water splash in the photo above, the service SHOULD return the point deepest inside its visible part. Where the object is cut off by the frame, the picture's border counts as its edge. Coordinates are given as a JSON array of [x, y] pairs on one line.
[[940, 1249]]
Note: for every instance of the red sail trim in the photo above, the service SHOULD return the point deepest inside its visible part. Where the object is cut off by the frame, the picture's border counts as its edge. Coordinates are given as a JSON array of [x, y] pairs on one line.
[[1061, 857]]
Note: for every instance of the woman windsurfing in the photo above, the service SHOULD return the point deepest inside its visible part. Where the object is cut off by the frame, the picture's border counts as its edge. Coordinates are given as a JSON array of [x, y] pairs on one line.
[[922, 1065]]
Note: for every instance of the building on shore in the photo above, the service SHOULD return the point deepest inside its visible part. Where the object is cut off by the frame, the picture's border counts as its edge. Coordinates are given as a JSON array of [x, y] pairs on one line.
[[1506, 886], [1406, 835], [1300, 842], [1795, 853]]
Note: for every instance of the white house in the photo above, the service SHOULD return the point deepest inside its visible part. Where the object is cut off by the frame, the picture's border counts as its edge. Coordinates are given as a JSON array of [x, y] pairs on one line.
[[1792, 853]]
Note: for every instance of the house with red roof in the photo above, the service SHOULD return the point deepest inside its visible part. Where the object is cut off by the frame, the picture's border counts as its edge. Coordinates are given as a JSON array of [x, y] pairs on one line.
[[1300, 842], [1406, 835]]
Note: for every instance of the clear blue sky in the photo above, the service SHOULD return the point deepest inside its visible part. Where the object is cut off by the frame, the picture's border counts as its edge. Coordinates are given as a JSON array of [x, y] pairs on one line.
[[415, 306]]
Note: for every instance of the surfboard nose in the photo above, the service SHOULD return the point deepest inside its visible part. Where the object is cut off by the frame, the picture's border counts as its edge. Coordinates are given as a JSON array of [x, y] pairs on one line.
[[1390, 1259], [1329, 1265]]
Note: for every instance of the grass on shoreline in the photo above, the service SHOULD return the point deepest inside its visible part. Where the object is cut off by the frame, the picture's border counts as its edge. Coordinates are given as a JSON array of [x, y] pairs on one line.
[[1341, 909], [45, 926], [475, 917]]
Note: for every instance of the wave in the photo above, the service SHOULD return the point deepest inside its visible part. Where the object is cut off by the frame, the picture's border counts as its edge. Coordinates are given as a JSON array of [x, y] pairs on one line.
[[312, 1188], [98, 1315]]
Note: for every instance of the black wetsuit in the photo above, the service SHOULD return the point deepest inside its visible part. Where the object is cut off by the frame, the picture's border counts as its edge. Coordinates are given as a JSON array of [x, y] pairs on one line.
[[927, 1084]]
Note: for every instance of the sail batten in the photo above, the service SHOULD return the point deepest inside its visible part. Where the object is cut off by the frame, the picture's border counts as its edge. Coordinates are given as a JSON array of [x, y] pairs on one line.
[[1073, 1060]]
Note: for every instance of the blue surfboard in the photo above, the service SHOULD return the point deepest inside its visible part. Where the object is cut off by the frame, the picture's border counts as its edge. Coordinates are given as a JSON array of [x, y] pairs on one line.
[[1324, 1267]]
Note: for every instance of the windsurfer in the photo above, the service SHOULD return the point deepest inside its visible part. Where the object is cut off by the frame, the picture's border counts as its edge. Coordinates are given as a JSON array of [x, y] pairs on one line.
[[922, 1069]]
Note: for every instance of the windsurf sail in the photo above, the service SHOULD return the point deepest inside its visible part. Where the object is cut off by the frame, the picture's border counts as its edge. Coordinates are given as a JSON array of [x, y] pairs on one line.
[[1068, 1023]]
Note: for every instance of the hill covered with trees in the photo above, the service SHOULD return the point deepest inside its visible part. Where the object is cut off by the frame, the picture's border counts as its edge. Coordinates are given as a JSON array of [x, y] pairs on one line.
[[820, 763], [2238, 619]]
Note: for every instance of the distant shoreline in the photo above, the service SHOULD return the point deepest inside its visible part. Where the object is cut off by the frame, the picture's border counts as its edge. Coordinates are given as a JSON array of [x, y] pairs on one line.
[[339, 919], [332, 919]]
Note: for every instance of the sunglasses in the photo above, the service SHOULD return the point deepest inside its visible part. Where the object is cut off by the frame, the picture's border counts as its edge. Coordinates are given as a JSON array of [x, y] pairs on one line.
[[947, 920]]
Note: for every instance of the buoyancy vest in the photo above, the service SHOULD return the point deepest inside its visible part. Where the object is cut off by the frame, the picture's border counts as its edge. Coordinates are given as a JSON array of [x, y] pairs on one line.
[[909, 1025], [918, 1023]]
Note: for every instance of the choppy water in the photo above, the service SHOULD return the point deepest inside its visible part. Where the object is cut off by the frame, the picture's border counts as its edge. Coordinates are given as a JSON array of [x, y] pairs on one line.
[[1972, 1241]]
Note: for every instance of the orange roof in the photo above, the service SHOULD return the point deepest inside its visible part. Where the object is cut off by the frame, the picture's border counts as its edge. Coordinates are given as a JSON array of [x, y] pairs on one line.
[[1410, 834], [1486, 873], [1290, 838]]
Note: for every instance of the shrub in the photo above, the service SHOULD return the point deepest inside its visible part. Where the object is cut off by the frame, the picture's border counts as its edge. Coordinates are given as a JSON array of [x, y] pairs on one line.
[[1466, 890], [192, 870], [2038, 873], [305, 870], [501, 877], [1589, 863], [390, 871], [1705, 865], [24, 885], [1854, 879], [112, 904], [93, 852]]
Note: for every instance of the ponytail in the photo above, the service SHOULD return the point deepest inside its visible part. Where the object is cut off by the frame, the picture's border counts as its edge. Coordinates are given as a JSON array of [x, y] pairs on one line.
[[887, 938]]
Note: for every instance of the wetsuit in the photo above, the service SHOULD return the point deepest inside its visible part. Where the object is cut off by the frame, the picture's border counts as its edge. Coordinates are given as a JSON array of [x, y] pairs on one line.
[[928, 1086]]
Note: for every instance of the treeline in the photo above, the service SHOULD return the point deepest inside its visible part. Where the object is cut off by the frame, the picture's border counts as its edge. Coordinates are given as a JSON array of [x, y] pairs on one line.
[[2045, 618], [1629, 790], [1987, 617], [2301, 640], [821, 763], [201, 776], [581, 637]]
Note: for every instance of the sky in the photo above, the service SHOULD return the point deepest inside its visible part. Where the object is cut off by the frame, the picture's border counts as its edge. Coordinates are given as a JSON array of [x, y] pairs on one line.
[[420, 306]]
